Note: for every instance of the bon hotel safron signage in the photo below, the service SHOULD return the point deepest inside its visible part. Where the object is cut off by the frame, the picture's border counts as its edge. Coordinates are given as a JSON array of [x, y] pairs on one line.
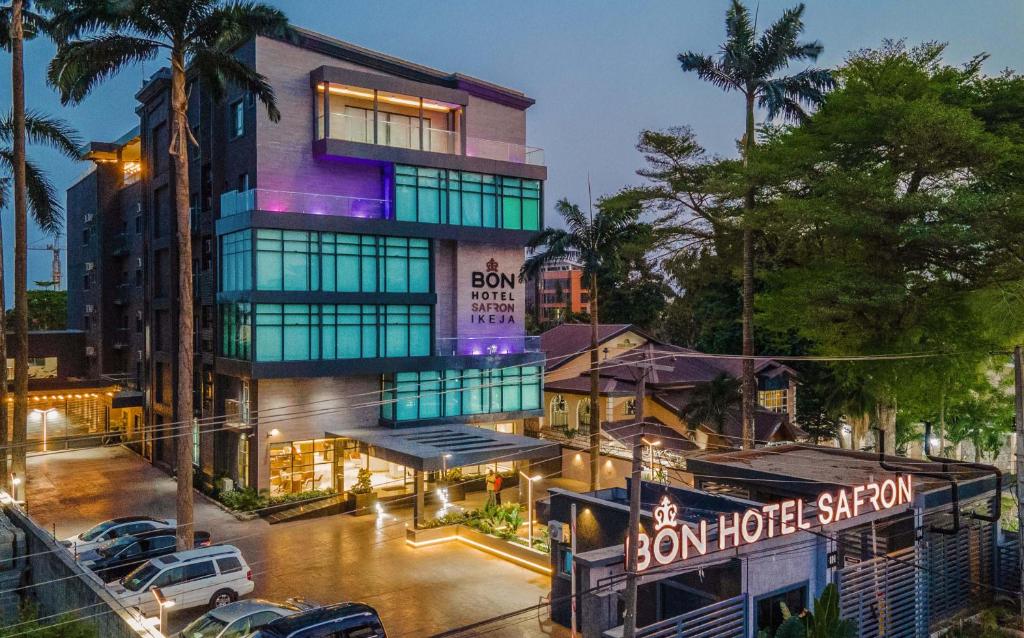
[[493, 295]]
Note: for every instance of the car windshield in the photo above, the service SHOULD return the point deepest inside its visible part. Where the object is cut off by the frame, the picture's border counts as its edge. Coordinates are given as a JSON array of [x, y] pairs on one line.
[[140, 576], [114, 545], [204, 627], [93, 533]]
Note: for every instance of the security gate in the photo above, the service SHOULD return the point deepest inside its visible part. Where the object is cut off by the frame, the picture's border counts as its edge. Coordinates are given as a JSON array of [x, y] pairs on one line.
[[883, 596]]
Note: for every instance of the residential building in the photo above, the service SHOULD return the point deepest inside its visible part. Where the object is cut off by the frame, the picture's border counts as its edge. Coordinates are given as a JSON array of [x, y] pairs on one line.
[[355, 270], [674, 375], [560, 290]]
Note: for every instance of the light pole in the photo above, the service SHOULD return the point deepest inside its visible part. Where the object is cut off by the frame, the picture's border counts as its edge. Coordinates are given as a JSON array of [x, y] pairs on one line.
[[529, 504]]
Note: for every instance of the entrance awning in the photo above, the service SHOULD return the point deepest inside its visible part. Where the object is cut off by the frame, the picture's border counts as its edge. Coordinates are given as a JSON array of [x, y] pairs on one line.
[[425, 448]]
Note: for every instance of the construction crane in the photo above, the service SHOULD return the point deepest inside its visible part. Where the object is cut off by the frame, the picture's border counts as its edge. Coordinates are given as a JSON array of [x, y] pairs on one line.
[[55, 275]]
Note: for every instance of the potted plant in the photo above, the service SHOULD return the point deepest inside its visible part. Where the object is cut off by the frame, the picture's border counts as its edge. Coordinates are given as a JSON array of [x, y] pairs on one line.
[[454, 483], [361, 498]]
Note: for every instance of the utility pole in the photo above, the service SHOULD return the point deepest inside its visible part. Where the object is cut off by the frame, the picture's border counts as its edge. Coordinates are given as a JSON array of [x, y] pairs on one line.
[[1018, 392], [636, 471]]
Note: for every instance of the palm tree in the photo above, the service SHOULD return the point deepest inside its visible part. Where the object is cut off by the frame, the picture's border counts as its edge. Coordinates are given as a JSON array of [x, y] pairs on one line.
[[18, 23], [748, 64], [597, 238], [101, 37], [711, 403]]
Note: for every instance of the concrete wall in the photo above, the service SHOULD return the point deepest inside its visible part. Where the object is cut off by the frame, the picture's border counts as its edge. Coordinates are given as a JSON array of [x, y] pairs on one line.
[[57, 584], [340, 412], [576, 466]]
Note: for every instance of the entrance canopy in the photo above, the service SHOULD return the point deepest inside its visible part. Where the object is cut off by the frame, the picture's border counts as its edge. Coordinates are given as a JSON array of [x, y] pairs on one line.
[[434, 447]]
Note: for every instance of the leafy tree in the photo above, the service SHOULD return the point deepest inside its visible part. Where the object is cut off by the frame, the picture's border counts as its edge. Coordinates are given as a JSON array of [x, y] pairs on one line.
[[823, 622], [63, 626], [749, 64], [597, 238], [711, 403], [898, 223], [101, 37], [984, 416]]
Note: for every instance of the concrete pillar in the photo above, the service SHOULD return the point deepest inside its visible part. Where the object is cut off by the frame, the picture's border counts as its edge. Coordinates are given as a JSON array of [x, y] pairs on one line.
[[419, 506]]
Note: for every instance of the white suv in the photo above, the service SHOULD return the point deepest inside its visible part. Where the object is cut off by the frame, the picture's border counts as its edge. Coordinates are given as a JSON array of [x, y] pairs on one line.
[[210, 576]]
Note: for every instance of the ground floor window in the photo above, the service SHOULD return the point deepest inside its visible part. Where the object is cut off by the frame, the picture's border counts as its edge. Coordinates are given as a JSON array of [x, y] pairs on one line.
[[769, 608], [301, 466]]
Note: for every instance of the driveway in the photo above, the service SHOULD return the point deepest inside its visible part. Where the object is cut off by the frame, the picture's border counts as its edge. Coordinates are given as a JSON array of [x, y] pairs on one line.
[[417, 591]]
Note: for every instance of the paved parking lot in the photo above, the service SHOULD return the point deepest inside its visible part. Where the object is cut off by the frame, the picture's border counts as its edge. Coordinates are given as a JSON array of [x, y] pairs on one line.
[[417, 591]]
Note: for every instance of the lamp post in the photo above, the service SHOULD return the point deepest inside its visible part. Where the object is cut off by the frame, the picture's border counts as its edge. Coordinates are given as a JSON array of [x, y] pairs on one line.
[[529, 504]]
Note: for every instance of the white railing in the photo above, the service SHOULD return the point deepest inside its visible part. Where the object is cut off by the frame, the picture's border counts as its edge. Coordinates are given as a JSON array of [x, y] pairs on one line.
[[395, 134], [235, 202], [487, 346], [504, 151]]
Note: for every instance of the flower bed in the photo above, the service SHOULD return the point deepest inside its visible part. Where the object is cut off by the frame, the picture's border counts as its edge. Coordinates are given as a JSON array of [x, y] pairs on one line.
[[249, 500]]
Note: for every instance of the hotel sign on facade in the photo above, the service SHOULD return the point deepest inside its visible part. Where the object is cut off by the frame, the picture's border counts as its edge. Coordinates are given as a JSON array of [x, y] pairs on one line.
[[674, 540]]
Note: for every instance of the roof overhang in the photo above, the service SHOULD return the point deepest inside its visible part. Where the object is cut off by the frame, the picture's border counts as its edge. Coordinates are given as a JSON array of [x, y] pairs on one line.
[[432, 448]]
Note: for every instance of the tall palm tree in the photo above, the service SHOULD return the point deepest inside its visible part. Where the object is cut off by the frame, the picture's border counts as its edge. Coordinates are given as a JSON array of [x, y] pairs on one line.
[[748, 64], [711, 403], [101, 37], [18, 23], [598, 239]]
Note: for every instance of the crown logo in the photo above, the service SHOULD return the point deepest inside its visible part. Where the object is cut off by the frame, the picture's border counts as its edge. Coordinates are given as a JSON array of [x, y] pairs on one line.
[[492, 266], [665, 514]]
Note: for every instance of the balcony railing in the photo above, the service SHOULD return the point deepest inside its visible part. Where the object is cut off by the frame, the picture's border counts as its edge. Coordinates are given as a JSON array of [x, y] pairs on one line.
[[235, 202], [504, 151], [487, 346], [401, 135]]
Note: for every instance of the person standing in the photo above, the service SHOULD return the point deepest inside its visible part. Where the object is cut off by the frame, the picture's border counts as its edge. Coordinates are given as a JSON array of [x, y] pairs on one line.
[[491, 480], [497, 489]]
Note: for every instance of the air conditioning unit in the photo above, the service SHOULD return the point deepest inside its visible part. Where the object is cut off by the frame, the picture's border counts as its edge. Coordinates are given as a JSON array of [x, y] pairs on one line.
[[138, 262], [138, 207], [89, 309], [90, 351], [87, 218], [138, 355], [89, 266]]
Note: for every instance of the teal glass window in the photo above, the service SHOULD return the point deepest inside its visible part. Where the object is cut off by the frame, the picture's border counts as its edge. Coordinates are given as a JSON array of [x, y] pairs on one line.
[[337, 262], [307, 332], [236, 261], [236, 331], [429, 395], [439, 196]]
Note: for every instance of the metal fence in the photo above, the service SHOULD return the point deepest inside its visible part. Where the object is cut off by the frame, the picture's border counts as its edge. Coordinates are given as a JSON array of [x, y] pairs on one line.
[[883, 596], [957, 568], [1009, 571], [724, 619]]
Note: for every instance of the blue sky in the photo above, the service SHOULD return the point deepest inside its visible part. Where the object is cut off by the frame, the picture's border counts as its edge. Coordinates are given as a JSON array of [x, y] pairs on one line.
[[600, 70]]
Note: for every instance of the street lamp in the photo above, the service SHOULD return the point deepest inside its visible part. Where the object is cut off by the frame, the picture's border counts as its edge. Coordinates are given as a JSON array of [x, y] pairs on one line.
[[529, 503]]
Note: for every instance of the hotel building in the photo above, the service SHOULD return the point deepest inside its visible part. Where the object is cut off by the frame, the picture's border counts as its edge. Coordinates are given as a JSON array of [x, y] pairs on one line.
[[356, 270]]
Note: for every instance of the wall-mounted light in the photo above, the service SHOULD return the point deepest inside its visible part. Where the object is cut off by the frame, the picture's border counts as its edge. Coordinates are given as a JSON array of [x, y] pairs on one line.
[[273, 432]]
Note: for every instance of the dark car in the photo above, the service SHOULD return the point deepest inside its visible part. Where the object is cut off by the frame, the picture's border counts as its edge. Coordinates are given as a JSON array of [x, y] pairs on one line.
[[343, 620], [118, 557]]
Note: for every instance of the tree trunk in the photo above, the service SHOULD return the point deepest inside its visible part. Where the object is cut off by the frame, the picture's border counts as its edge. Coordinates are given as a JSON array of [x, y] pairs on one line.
[[942, 421], [887, 424], [20, 429], [749, 380], [5, 483], [183, 412], [595, 398]]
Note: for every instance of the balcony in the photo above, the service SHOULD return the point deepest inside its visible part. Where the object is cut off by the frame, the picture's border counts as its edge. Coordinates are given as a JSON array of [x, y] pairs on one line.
[[487, 346], [236, 202]]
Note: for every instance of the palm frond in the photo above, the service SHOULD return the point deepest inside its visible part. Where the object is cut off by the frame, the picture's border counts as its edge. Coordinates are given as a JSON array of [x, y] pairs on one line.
[[230, 25], [788, 95], [739, 39], [42, 195], [45, 131], [81, 64], [74, 19], [33, 25], [777, 45], [219, 69], [709, 70], [556, 245]]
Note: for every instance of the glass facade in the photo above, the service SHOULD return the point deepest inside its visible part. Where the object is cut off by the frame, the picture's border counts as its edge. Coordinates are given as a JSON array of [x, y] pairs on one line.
[[441, 196], [308, 332], [447, 393], [330, 262], [301, 466]]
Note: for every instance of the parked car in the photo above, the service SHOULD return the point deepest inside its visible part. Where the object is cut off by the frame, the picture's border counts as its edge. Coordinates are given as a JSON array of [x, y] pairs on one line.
[[116, 558], [241, 618], [343, 620], [115, 528], [210, 576]]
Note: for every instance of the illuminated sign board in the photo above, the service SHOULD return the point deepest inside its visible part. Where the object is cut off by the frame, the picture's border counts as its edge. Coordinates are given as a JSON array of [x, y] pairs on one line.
[[493, 295], [674, 540]]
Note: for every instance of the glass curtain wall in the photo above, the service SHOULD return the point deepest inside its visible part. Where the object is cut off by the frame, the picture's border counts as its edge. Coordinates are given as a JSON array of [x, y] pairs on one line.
[[435, 394], [440, 196]]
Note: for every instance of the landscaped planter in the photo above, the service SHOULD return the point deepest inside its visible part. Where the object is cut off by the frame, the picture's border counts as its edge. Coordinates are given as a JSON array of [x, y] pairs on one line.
[[361, 504], [280, 507], [512, 552]]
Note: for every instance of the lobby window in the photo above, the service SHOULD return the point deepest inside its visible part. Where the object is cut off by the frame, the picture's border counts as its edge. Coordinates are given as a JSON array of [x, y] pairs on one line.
[[424, 395], [301, 466], [439, 196], [236, 331], [236, 261], [237, 114]]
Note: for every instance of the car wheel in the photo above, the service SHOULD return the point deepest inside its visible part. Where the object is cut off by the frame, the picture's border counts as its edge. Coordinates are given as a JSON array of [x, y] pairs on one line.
[[222, 597]]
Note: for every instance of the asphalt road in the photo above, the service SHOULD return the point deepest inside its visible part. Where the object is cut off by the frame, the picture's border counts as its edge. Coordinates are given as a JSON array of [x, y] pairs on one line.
[[417, 592]]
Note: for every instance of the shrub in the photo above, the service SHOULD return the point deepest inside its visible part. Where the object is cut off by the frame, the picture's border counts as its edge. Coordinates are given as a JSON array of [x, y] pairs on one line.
[[245, 499], [364, 483]]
